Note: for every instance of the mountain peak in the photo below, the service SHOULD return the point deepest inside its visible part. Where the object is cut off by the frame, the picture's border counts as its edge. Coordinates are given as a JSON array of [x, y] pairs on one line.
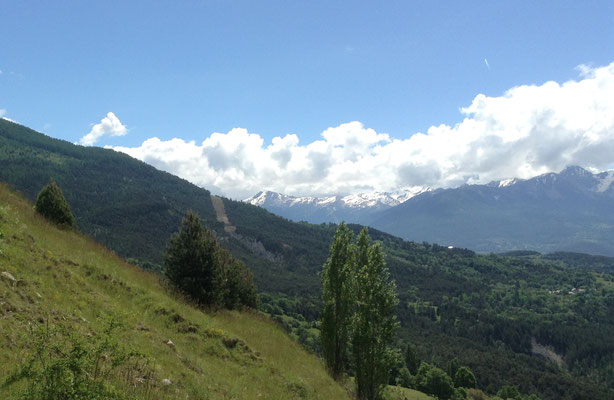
[[574, 170]]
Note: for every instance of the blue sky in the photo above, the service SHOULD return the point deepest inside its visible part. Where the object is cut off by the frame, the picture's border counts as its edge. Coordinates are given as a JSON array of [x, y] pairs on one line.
[[189, 69]]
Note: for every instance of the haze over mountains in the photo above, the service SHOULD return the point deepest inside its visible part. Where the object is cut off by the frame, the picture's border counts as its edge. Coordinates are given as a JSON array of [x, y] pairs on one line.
[[572, 210]]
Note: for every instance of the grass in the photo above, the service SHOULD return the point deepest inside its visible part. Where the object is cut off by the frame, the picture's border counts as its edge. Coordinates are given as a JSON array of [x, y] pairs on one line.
[[65, 279], [401, 393]]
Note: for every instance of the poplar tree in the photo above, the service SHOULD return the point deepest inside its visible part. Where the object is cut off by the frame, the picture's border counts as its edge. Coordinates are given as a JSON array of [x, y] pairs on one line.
[[373, 323], [358, 308], [337, 301]]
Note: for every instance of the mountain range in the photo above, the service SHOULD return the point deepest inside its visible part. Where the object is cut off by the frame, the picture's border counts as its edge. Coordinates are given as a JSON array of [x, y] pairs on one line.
[[572, 210], [485, 310], [316, 210]]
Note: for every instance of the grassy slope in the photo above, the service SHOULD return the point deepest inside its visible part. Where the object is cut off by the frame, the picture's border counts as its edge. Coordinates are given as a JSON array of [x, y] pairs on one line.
[[81, 284]]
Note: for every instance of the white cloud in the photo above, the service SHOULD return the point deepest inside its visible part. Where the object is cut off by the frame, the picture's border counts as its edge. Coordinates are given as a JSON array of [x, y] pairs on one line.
[[109, 125], [527, 131], [2, 115]]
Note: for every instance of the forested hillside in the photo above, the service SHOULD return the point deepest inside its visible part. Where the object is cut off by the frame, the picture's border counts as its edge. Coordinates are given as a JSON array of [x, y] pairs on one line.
[[76, 321], [542, 322]]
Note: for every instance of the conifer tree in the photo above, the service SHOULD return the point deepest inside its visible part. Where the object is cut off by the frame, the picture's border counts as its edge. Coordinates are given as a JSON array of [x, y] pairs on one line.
[[192, 262], [52, 204], [337, 301]]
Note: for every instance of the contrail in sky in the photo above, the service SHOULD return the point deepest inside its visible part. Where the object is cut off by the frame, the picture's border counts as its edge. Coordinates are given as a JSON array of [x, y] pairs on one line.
[[487, 64]]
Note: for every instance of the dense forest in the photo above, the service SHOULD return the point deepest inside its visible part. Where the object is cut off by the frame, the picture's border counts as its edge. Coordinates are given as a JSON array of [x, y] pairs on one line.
[[541, 322]]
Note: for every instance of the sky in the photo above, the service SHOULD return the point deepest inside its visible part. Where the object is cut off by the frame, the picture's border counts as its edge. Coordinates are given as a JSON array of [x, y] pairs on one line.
[[319, 97]]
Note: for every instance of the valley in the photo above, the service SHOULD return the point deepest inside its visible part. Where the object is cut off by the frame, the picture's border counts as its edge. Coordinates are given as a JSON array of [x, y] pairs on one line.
[[482, 309]]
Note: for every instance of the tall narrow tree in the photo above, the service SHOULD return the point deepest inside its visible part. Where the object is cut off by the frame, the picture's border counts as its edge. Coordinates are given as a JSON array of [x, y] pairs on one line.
[[374, 323], [337, 301]]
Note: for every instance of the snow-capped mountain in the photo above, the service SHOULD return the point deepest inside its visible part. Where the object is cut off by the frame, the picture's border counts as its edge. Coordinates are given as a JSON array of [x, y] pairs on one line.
[[572, 210], [351, 208]]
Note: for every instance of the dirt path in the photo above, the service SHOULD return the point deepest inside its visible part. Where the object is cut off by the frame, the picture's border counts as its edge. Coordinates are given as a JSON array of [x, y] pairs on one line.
[[220, 212]]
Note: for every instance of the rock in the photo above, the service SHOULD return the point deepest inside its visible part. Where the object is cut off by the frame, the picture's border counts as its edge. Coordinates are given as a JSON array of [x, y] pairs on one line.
[[7, 276], [166, 381]]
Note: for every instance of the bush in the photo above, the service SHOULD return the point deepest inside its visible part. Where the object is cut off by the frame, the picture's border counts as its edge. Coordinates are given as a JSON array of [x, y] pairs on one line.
[[509, 392], [439, 384], [51, 204], [434, 381], [405, 378], [64, 366], [464, 378]]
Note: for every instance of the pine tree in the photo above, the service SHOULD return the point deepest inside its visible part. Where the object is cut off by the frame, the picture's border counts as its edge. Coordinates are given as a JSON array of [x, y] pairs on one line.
[[337, 301], [52, 204], [374, 323], [192, 262]]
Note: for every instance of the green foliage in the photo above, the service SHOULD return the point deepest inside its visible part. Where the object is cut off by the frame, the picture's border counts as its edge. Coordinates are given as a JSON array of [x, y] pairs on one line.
[[453, 302], [509, 392], [405, 378], [192, 264], [374, 322], [438, 383], [460, 393], [358, 304], [464, 378], [65, 366], [197, 265], [51, 204], [238, 283], [411, 359], [73, 282], [452, 367], [337, 301]]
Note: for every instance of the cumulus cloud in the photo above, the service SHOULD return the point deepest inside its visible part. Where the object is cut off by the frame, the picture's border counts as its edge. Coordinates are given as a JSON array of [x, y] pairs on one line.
[[109, 125], [529, 130]]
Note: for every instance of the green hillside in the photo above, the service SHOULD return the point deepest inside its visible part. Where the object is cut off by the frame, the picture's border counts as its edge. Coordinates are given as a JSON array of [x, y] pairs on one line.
[[502, 316], [69, 284]]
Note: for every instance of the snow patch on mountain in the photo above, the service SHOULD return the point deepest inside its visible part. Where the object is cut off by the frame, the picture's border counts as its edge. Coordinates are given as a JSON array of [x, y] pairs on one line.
[[357, 201], [507, 182], [604, 181]]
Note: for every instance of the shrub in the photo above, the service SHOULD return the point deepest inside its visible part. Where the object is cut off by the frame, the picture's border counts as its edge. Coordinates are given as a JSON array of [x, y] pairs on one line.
[[51, 204], [405, 378], [64, 366], [509, 392], [439, 384], [464, 378]]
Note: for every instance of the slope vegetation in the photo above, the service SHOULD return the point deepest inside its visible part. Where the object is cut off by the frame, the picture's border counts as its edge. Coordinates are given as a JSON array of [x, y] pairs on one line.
[[484, 309], [61, 280]]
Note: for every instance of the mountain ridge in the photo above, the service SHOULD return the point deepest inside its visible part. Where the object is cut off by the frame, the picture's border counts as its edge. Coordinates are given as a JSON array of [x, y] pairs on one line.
[[574, 204], [331, 208], [483, 309]]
